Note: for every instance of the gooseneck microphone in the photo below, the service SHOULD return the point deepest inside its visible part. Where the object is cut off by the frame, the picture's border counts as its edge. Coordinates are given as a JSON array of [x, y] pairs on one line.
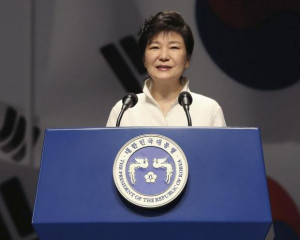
[[185, 100], [129, 100]]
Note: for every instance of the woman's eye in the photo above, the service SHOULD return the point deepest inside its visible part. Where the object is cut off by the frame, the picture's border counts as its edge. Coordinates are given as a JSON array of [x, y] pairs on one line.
[[174, 47], [153, 47]]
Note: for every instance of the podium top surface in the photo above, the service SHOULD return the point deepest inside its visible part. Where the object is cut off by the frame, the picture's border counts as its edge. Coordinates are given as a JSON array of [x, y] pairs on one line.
[[226, 182]]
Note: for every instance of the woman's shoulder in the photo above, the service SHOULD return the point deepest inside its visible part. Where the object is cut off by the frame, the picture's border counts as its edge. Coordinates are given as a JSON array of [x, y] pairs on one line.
[[202, 99]]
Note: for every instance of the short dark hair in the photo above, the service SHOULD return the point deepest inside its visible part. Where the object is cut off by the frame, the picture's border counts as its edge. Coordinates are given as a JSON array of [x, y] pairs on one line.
[[166, 21]]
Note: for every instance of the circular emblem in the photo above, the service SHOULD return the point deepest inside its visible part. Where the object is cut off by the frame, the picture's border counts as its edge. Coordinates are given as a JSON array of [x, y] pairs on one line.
[[150, 170]]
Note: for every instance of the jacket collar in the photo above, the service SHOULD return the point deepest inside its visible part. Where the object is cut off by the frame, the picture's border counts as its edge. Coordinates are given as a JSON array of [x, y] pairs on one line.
[[148, 85]]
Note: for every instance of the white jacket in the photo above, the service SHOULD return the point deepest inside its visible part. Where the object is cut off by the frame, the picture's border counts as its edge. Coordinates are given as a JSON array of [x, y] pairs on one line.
[[204, 111]]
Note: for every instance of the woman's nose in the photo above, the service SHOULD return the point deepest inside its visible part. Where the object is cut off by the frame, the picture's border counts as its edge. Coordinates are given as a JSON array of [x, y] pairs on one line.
[[164, 54]]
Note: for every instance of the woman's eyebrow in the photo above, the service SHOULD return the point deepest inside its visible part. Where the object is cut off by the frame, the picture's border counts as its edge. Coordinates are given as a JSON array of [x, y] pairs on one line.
[[154, 42], [158, 42]]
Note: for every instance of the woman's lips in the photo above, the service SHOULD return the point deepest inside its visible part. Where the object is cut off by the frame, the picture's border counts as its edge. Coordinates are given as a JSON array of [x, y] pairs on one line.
[[163, 67]]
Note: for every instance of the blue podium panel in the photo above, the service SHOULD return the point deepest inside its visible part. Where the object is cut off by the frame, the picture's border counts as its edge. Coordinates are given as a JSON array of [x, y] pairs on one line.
[[226, 196]]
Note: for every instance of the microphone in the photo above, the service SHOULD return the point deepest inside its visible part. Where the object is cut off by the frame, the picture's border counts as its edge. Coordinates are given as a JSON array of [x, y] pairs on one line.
[[185, 100], [129, 101]]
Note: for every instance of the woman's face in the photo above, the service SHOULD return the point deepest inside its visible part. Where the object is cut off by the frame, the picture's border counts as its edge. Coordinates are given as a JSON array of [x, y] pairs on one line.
[[166, 57]]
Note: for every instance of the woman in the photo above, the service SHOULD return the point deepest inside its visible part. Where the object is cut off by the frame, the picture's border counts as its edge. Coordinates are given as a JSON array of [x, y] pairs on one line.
[[166, 45]]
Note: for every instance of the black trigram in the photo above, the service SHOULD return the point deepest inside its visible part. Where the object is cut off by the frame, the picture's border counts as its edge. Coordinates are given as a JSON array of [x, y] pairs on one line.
[[18, 209], [12, 134], [119, 65]]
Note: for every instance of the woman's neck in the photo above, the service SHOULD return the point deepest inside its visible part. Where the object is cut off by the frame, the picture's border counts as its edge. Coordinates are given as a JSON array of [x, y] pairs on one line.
[[165, 94]]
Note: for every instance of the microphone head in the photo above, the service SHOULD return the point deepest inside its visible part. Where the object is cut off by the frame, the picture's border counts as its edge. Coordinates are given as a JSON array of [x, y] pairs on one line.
[[185, 98], [130, 99]]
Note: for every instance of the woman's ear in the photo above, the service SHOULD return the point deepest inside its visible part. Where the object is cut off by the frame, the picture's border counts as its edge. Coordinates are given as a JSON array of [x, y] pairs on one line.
[[187, 64], [188, 60]]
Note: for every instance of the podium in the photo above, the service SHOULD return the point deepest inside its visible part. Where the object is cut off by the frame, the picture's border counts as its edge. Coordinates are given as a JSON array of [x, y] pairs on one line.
[[226, 195]]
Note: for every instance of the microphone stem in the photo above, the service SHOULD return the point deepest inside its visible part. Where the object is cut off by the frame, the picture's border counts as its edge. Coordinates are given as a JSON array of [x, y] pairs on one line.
[[186, 109], [120, 117]]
